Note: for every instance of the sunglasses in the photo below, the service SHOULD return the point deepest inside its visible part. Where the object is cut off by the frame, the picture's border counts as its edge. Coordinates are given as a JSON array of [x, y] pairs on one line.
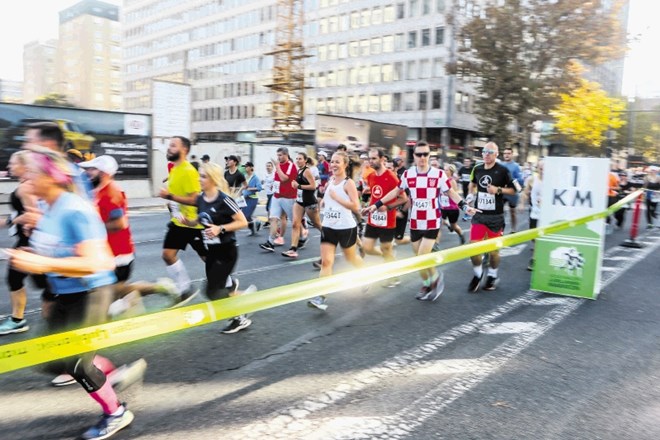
[[422, 154], [488, 152]]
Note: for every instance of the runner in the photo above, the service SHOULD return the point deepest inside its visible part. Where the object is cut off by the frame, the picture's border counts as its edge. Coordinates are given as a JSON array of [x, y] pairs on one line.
[[652, 187], [182, 191], [234, 177], [516, 174], [19, 199], [532, 193], [491, 180], [70, 247], [251, 197], [381, 224], [268, 185], [283, 199], [339, 227], [221, 217], [306, 203], [449, 208], [425, 184]]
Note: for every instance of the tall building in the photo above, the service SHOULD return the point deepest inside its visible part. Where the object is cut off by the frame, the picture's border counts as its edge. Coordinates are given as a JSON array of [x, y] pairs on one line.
[[369, 59], [11, 91], [88, 61], [39, 76]]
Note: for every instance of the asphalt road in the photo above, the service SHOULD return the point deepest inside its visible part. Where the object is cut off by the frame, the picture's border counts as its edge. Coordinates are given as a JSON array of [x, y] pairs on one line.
[[494, 365]]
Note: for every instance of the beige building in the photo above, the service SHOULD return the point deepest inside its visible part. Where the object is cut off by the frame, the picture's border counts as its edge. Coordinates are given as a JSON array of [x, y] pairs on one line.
[[39, 77], [88, 64]]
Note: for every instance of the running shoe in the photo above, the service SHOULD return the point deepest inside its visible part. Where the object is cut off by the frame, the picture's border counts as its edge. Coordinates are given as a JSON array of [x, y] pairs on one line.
[[291, 253], [186, 296], [267, 246], [530, 265], [108, 425], [236, 325], [128, 374], [279, 241], [10, 326], [318, 302], [474, 284], [63, 380], [437, 287], [257, 224], [392, 282], [304, 234], [462, 238], [266, 225], [436, 247], [491, 283], [166, 286], [425, 290]]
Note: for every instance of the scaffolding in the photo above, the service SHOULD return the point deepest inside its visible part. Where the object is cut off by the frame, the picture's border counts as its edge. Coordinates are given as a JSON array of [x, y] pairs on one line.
[[288, 68]]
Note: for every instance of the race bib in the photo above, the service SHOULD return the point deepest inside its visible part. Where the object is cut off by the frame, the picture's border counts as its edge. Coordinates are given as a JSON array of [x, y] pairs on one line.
[[486, 201], [444, 201], [214, 240], [240, 201], [331, 216], [422, 204], [276, 187], [655, 197], [299, 195], [465, 177], [379, 219]]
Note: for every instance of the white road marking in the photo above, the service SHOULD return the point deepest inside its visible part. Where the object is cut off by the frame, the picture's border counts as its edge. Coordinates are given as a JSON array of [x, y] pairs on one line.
[[507, 328]]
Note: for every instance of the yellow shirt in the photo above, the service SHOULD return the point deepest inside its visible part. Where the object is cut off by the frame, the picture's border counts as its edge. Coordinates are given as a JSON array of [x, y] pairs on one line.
[[183, 181]]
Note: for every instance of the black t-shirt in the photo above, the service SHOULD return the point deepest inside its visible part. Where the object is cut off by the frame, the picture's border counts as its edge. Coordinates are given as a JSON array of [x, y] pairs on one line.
[[464, 174], [490, 204], [218, 212], [234, 180]]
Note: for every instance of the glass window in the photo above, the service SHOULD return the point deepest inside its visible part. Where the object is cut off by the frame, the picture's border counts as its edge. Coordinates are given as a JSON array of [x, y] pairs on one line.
[[351, 103], [426, 7], [320, 105], [365, 18], [321, 80], [412, 39], [344, 22], [399, 42], [374, 74], [363, 75], [411, 70], [398, 71], [330, 105], [376, 46], [342, 51], [333, 24], [440, 5], [458, 99], [355, 20], [438, 67], [408, 101], [363, 102], [386, 72], [413, 8], [352, 75], [396, 102], [424, 68], [377, 15], [332, 51], [386, 103], [341, 77], [422, 100], [365, 45], [388, 44], [323, 53], [400, 11], [323, 26], [340, 105], [465, 104], [353, 49], [426, 37], [332, 79], [440, 35], [388, 14]]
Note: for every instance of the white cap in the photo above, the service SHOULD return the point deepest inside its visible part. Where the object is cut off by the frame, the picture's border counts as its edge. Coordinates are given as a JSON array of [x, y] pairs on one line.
[[106, 164], [364, 156], [322, 153]]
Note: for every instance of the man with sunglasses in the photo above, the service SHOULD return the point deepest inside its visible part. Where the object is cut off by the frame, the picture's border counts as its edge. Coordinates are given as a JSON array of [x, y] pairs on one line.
[[425, 185], [492, 181]]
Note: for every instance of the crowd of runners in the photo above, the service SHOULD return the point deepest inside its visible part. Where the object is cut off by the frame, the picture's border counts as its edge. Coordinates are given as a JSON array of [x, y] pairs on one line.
[[73, 236]]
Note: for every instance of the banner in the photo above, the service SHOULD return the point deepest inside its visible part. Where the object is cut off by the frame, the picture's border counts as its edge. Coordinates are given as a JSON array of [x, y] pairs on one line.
[[568, 263]]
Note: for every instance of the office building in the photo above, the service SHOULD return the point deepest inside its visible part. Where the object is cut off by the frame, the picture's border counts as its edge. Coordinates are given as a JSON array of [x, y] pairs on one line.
[[39, 76], [11, 91]]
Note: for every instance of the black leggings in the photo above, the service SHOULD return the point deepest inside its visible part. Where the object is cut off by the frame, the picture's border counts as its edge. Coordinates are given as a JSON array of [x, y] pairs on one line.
[[77, 310], [651, 208], [220, 263]]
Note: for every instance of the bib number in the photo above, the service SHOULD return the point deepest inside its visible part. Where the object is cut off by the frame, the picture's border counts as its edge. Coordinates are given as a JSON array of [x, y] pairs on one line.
[[240, 201], [444, 201], [379, 219], [331, 216], [486, 201], [276, 187], [299, 196], [422, 204]]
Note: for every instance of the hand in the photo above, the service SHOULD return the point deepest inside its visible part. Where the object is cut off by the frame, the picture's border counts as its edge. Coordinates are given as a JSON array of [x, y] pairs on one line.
[[472, 211], [492, 189], [184, 221], [212, 231], [164, 193], [29, 218], [28, 262], [295, 184]]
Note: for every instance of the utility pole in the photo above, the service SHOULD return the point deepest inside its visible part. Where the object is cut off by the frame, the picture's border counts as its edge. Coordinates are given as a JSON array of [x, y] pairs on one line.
[[288, 68]]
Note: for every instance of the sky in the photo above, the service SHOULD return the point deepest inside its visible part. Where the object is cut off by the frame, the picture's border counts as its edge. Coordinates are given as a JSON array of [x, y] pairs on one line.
[[29, 20]]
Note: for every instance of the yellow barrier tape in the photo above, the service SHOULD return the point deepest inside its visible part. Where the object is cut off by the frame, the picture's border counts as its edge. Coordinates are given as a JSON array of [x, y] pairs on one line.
[[35, 351]]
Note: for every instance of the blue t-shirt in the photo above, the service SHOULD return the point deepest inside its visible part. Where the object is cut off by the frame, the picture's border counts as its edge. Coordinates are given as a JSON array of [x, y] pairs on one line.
[[515, 171], [68, 222]]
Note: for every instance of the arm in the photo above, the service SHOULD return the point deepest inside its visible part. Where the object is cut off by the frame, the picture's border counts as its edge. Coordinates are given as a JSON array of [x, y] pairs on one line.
[[278, 169], [238, 222]]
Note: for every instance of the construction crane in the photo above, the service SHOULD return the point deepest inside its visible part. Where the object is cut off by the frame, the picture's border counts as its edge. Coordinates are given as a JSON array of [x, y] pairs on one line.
[[288, 68]]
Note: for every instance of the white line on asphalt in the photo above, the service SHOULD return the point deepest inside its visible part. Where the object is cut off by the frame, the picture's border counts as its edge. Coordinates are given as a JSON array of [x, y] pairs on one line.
[[507, 328]]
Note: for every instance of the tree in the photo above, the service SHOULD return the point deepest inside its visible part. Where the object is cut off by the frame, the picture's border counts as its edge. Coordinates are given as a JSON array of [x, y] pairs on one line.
[[523, 53], [585, 115], [53, 99], [645, 133]]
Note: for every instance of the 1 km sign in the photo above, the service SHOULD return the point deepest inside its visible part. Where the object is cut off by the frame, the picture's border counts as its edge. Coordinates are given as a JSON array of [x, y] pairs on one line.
[[569, 262]]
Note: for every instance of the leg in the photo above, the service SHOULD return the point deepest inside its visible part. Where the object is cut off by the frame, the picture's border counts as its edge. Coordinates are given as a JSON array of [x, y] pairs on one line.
[[327, 258], [370, 248], [298, 212]]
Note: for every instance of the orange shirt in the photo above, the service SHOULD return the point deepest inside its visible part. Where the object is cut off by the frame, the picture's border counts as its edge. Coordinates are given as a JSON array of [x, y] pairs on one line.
[[614, 185]]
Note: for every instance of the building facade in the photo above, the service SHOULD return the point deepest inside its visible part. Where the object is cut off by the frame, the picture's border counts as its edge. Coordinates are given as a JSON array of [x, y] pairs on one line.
[[383, 61], [88, 64], [11, 91], [39, 75]]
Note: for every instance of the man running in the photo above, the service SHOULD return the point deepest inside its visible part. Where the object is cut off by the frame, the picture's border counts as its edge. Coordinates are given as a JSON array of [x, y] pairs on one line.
[[516, 173], [182, 190], [425, 185], [381, 223], [283, 199], [492, 181]]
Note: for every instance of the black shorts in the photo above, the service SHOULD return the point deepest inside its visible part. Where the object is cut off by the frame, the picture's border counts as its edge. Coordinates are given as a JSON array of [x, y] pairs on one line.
[[339, 237], [450, 214], [16, 280], [178, 237], [416, 235], [123, 272], [308, 205], [533, 222], [401, 224], [385, 235]]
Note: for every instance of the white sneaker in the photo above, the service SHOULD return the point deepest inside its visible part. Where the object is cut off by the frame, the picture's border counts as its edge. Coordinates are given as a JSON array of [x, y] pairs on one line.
[[318, 302], [63, 380], [126, 375]]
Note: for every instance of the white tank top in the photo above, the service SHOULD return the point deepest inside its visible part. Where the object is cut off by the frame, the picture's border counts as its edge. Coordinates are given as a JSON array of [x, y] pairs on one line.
[[535, 198], [336, 216]]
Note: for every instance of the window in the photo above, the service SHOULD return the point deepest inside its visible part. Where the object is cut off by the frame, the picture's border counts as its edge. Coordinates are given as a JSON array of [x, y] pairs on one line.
[[400, 11], [342, 52], [426, 37], [320, 105], [408, 101], [388, 14], [438, 67], [355, 20], [440, 35], [374, 74], [440, 5], [377, 16], [352, 76], [424, 69], [411, 70], [333, 24], [323, 53], [376, 46], [353, 49], [351, 104], [363, 75], [426, 7], [365, 18], [323, 26], [465, 104], [388, 44], [399, 42], [374, 103], [386, 103], [363, 103], [365, 45], [398, 72], [436, 100], [340, 104], [332, 79], [386, 72], [341, 77], [332, 51], [412, 39], [413, 8], [458, 99], [422, 100], [396, 102]]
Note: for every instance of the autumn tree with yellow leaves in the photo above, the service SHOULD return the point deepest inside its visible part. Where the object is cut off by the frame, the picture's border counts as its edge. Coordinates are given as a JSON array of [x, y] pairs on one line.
[[586, 113]]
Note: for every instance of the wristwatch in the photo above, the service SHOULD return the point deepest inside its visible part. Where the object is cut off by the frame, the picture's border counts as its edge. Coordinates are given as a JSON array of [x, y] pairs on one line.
[[222, 230], [499, 190]]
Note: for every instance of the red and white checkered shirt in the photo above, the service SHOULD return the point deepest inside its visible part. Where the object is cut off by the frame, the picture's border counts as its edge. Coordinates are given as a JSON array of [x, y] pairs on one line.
[[424, 192]]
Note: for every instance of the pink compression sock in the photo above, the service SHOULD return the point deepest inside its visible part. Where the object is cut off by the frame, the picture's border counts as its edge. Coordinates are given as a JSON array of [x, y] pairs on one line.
[[104, 364], [107, 398]]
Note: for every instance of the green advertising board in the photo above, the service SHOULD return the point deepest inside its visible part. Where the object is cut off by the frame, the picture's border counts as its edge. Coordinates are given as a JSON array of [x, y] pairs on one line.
[[569, 262]]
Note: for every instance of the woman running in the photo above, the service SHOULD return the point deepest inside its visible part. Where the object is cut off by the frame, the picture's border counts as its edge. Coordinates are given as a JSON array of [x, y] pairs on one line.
[[250, 193], [339, 227], [221, 217], [71, 248], [448, 207], [305, 185]]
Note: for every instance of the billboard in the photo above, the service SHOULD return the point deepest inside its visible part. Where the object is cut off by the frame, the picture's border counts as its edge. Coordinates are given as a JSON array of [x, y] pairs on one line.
[[358, 134], [171, 109], [125, 136]]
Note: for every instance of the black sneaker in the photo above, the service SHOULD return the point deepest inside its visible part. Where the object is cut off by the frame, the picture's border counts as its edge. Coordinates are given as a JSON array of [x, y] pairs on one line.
[[530, 266], [267, 246], [317, 264], [474, 284], [236, 325], [302, 242], [462, 238], [491, 283]]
